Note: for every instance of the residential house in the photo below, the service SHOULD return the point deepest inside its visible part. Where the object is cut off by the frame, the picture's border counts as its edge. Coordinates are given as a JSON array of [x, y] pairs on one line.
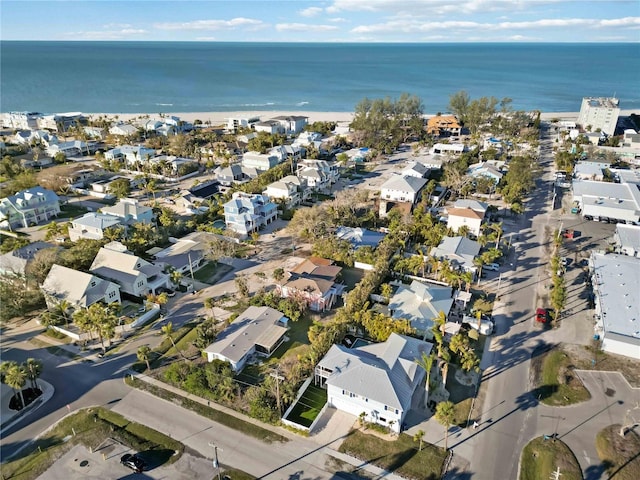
[[270, 126], [475, 205], [464, 217], [130, 211], [62, 122], [206, 190], [260, 161], [123, 130], [360, 237], [594, 138], [458, 251], [173, 163], [584, 170], [319, 175], [381, 379], [245, 213], [74, 148], [258, 331], [235, 174], [186, 255], [104, 186], [21, 120], [415, 169], [421, 303], [292, 124], [134, 275], [485, 169], [615, 280], [289, 189], [314, 280], [28, 207], [444, 126], [400, 189], [627, 239], [450, 148], [94, 132], [80, 289], [131, 155], [92, 225], [234, 123], [29, 137], [16, 261], [631, 138]]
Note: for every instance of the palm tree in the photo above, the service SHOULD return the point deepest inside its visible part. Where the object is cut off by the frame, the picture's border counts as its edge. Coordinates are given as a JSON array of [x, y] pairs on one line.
[[445, 414], [33, 368], [167, 331], [426, 362], [16, 378], [467, 278], [418, 438], [175, 276], [210, 303], [62, 310], [143, 354]]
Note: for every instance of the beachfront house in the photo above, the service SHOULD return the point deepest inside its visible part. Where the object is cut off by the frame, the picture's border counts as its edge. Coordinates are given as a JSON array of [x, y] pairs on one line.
[[80, 289], [381, 380], [123, 130], [257, 332], [234, 123], [29, 207]]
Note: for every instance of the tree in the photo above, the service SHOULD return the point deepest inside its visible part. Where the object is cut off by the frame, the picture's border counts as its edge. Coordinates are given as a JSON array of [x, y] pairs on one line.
[[144, 355], [167, 331], [120, 187], [33, 368], [278, 274], [426, 362], [210, 303], [459, 105], [206, 334], [175, 276], [16, 378], [445, 414], [97, 318], [242, 285], [418, 438], [386, 291]]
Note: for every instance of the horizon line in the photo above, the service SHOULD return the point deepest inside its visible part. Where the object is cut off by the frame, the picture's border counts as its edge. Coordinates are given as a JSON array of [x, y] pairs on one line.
[[295, 42]]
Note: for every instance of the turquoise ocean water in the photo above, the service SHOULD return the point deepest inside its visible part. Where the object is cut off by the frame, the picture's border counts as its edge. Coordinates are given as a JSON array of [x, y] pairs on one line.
[[129, 77]]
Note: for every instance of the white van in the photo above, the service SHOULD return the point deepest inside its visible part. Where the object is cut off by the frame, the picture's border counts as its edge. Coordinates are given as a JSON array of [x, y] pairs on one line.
[[494, 267]]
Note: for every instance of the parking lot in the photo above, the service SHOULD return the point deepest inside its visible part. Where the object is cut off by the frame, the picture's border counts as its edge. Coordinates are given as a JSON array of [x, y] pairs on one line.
[[79, 463]]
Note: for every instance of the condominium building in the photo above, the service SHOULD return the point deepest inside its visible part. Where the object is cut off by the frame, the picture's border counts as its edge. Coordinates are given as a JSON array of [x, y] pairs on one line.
[[599, 113]]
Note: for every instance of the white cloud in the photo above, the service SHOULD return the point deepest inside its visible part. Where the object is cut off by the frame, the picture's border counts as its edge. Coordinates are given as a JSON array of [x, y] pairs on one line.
[[310, 12], [234, 23], [438, 7], [338, 20], [304, 27], [110, 26], [121, 34], [621, 22]]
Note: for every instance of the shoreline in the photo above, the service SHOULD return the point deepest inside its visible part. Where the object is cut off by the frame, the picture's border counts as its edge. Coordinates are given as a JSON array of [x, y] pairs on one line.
[[218, 118]]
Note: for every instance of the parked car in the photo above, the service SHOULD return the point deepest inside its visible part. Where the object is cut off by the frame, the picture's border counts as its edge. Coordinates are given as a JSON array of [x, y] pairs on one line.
[[133, 462], [542, 315], [494, 267]]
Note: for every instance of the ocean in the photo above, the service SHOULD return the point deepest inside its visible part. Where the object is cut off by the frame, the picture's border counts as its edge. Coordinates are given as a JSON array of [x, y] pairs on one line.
[[153, 77]]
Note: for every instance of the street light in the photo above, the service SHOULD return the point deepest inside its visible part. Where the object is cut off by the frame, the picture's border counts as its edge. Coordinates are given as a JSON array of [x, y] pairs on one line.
[[216, 463]]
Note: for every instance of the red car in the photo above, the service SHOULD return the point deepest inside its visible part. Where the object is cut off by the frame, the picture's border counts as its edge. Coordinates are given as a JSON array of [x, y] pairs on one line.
[[541, 315]]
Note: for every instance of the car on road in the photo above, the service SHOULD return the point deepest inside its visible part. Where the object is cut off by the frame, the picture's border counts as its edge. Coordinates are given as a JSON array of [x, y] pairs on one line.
[[494, 267], [133, 462], [541, 315]]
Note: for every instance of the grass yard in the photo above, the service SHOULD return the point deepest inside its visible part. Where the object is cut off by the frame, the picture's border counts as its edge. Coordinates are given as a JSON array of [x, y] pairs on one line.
[[540, 458], [620, 455], [556, 382], [234, 474], [400, 456], [308, 407], [92, 426], [210, 270], [298, 337], [218, 416], [71, 210]]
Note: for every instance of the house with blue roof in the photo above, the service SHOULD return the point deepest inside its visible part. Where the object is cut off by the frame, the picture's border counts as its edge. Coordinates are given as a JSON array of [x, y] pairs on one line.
[[28, 207]]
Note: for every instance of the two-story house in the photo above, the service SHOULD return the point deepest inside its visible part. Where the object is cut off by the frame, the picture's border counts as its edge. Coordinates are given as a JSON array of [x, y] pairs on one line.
[[400, 189], [134, 275], [130, 211], [16, 261], [245, 213], [443, 125], [381, 379], [292, 124], [290, 189], [92, 225], [28, 207], [314, 280], [260, 161], [80, 289], [130, 154]]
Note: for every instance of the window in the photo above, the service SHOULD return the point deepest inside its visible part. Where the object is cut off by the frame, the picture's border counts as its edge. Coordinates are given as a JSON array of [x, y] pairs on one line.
[[112, 294], [140, 283], [93, 283]]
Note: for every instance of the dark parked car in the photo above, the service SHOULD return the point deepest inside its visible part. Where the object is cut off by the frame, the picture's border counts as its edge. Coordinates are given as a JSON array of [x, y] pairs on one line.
[[133, 462]]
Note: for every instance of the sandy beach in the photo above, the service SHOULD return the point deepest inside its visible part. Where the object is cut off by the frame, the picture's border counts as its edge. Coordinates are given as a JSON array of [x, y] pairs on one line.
[[219, 118]]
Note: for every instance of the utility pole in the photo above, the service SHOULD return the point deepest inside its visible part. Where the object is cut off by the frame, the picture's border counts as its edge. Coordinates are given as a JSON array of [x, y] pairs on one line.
[[190, 266], [216, 464], [276, 374]]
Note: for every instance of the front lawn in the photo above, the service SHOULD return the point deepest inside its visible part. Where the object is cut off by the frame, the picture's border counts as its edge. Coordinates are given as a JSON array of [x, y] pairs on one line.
[[208, 272], [620, 455], [400, 456], [557, 384], [71, 211], [540, 458], [92, 426]]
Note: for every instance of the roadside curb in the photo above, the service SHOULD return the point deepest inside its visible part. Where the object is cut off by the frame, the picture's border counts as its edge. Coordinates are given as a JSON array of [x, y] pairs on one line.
[[47, 392]]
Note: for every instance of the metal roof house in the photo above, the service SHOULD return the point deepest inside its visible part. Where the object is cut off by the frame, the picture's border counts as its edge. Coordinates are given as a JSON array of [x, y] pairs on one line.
[[28, 207], [78, 288], [380, 379], [460, 251], [257, 331], [615, 281]]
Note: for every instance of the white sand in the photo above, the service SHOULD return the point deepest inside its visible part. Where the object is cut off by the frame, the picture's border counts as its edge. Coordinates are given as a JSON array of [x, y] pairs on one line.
[[218, 118]]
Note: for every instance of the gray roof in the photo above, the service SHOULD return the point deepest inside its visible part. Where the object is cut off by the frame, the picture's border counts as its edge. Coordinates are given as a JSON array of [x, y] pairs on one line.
[[253, 327], [16, 261], [417, 167], [404, 183], [383, 372], [628, 236], [420, 304], [360, 237], [126, 207], [459, 249], [97, 220], [616, 283], [121, 267], [74, 286], [30, 193], [474, 205]]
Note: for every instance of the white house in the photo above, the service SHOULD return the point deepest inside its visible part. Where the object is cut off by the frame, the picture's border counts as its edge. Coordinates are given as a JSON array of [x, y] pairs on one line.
[[459, 251], [130, 154], [615, 280], [401, 188], [380, 379], [246, 213], [421, 303], [78, 288], [28, 207], [134, 275], [451, 148], [290, 189], [130, 211], [415, 169], [260, 161], [620, 201], [258, 331], [21, 120], [92, 225], [464, 217], [186, 255], [233, 123], [123, 130], [590, 170], [292, 124], [270, 126]]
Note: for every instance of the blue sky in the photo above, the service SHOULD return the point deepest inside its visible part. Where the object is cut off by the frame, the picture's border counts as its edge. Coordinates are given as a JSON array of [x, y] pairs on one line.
[[324, 21]]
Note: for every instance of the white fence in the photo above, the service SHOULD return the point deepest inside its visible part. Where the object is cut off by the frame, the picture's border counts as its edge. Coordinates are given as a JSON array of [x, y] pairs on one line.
[[363, 266]]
